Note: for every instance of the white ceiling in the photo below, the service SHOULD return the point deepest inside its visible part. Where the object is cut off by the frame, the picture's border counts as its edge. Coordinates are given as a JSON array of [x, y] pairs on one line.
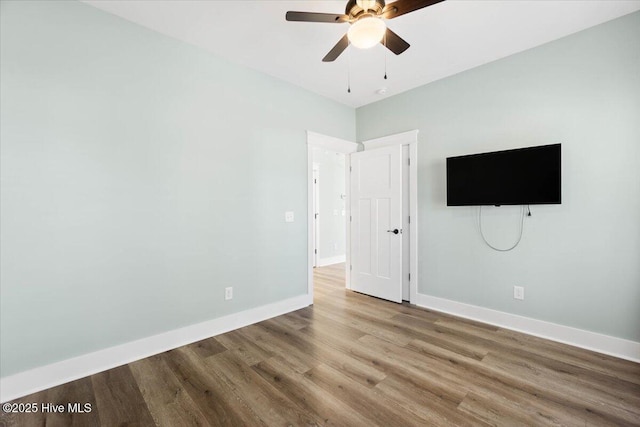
[[445, 39]]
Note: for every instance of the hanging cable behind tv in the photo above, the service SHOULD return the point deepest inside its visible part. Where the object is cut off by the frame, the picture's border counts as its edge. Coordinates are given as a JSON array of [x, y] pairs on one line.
[[522, 214]]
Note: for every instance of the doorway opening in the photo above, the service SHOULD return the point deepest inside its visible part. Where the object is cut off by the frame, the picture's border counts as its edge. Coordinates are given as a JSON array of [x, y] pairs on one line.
[[328, 206], [329, 214], [344, 153]]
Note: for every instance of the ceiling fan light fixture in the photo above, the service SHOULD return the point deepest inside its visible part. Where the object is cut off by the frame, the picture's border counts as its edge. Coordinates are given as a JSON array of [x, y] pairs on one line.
[[366, 32]]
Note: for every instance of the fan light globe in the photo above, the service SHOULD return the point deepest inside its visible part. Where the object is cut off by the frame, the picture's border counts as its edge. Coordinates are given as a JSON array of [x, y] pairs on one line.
[[366, 32]]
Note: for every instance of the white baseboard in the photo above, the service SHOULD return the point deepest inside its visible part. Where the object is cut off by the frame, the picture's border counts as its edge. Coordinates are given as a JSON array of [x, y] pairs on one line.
[[618, 347], [323, 262], [44, 377]]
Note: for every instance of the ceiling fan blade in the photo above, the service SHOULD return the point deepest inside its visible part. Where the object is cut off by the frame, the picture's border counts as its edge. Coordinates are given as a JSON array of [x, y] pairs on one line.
[[400, 7], [316, 17], [337, 49], [394, 42]]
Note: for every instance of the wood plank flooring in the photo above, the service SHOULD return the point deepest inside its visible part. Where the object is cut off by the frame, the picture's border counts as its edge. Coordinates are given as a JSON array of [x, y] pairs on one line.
[[353, 360]]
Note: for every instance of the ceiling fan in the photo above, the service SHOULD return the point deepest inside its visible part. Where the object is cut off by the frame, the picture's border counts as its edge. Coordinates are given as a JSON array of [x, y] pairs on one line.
[[367, 23]]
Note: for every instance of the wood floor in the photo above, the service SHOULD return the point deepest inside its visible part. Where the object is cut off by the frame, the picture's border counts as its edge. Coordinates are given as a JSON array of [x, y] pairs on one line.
[[352, 360]]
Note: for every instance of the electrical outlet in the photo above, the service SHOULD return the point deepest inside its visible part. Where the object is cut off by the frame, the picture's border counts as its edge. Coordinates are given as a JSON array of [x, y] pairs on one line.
[[518, 292], [228, 293]]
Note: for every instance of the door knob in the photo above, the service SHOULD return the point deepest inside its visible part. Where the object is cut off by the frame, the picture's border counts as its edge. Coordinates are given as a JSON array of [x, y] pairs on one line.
[[394, 231]]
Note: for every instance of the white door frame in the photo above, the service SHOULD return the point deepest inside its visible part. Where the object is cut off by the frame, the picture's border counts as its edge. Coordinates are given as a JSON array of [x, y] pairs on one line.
[[347, 147], [341, 146], [409, 138], [314, 213]]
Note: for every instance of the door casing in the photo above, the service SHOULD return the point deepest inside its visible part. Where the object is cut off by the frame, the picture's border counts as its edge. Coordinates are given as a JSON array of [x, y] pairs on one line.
[[409, 138], [314, 212]]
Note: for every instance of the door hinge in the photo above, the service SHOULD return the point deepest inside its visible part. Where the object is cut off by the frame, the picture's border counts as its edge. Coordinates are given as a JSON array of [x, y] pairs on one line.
[[315, 216], [315, 181], [409, 276], [350, 218], [409, 219], [350, 267], [315, 251], [409, 162], [350, 169]]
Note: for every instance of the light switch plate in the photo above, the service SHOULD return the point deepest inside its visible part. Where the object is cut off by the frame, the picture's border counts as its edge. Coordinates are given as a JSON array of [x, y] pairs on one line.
[[518, 292], [288, 216]]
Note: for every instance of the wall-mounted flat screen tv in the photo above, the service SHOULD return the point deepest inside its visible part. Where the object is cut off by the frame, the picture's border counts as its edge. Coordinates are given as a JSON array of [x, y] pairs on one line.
[[525, 176]]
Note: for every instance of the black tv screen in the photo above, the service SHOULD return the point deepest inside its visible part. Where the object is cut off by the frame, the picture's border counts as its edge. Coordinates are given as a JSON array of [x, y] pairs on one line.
[[525, 176]]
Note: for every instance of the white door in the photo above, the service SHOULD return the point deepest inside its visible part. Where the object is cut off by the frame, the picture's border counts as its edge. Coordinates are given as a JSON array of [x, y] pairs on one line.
[[376, 222]]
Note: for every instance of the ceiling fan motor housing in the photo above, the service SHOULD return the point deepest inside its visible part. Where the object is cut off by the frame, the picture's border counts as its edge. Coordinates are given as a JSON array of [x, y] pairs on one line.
[[355, 12]]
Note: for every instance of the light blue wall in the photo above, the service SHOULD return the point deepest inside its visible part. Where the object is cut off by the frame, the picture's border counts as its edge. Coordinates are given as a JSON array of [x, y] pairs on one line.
[[140, 177], [580, 261]]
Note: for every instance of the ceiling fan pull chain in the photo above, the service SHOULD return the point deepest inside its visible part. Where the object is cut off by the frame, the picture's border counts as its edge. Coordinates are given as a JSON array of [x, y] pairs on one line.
[[385, 55], [349, 69]]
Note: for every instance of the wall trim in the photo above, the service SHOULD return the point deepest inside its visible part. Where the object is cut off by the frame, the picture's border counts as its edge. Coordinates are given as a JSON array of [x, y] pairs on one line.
[[612, 346], [409, 137], [44, 377], [322, 262], [331, 143]]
